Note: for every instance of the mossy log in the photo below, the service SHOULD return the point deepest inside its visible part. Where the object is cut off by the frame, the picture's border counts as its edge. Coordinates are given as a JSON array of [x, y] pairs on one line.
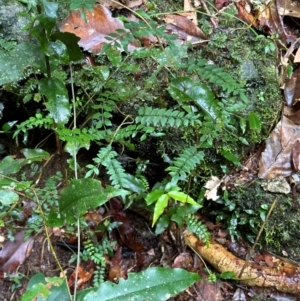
[[285, 277]]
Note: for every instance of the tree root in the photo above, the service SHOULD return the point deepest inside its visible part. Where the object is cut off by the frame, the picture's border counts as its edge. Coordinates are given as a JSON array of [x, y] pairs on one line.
[[285, 277]]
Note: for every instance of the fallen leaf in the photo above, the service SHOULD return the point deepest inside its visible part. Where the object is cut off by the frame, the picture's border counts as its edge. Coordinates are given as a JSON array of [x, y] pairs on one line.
[[297, 56], [185, 25], [292, 89], [85, 273], [295, 154], [288, 8], [276, 160], [92, 33], [245, 14], [116, 271], [272, 23], [212, 186], [15, 252]]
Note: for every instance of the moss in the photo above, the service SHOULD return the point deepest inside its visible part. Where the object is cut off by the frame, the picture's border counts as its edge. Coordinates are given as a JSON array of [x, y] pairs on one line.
[[282, 227]]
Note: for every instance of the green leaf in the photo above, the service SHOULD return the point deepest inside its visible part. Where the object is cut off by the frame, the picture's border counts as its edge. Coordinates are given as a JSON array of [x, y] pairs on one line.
[[114, 57], [231, 157], [182, 197], [153, 196], [8, 197], [58, 100], [162, 224], [33, 155], [71, 41], [227, 275], [46, 289], [159, 208], [153, 284], [12, 65], [79, 196], [10, 165], [185, 89], [84, 4], [254, 121], [133, 184], [6, 127], [50, 9]]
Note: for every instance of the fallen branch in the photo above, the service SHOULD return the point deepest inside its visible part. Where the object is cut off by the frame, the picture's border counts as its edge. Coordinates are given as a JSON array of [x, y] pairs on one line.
[[285, 277]]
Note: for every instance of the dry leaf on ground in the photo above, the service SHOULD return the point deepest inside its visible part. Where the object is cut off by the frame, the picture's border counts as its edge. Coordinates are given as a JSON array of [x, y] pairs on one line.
[[14, 253], [92, 33], [276, 160], [212, 187]]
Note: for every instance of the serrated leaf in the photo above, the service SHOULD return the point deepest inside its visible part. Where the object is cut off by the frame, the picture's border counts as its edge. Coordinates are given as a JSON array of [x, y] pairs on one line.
[[50, 9], [58, 100], [153, 284]]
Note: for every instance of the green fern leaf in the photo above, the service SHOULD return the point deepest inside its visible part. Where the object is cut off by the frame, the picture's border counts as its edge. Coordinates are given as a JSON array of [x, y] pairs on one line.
[[185, 163], [165, 117], [116, 172]]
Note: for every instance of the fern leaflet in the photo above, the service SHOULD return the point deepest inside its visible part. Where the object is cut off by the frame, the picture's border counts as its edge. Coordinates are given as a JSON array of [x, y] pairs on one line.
[[198, 228], [165, 117], [185, 163]]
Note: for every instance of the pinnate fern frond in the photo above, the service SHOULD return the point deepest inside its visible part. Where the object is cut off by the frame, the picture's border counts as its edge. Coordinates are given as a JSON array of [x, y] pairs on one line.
[[185, 162], [106, 157], [165, 117], [219, 76], [116, 172]]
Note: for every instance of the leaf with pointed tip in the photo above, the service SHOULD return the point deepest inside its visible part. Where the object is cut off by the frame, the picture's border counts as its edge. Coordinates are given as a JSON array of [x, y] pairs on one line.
[[184, 90], [152, 284]]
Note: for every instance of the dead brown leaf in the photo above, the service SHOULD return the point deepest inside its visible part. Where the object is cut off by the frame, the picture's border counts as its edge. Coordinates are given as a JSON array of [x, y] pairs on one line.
[[182, 24], [15, 252], [292, 88], [272, 22], [92, 33], [245, 14], [276, 160], [212, 187]]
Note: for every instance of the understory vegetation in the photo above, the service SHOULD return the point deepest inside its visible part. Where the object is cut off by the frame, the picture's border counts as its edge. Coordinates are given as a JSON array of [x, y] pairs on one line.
[[150, 125]]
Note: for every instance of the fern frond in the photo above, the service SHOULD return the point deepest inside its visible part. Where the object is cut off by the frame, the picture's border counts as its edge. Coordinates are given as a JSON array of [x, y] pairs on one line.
[[105, 154], [116, 172], [185, 163], [165, 117], [198, 228], [219, 76]]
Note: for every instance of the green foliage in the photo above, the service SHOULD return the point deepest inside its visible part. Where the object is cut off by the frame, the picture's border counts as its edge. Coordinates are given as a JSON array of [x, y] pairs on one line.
[[161, 284], [187, 161], [97, 254], [162, 199], [165, 117], [152, 114], [49, 288], [198, 228]]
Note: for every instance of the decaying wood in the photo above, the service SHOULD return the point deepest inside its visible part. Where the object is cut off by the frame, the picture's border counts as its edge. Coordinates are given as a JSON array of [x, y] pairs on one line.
[[285, 277]]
